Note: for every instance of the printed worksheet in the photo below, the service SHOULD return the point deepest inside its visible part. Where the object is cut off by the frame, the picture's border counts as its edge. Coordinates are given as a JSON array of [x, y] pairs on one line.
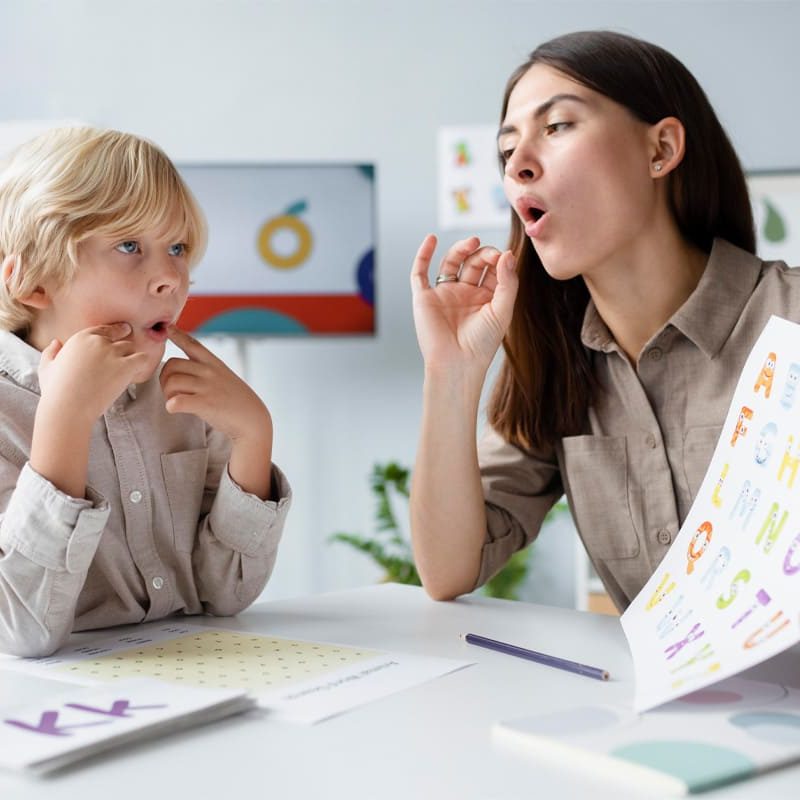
[[297, 680], [727, 594]]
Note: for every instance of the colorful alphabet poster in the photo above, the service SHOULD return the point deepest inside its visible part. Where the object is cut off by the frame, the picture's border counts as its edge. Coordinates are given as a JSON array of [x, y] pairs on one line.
[[291, 250], [470, 185], [727, 594]]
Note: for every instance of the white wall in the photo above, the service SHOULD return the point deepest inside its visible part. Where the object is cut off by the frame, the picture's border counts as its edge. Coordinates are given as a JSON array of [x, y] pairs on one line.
[[362, 81]]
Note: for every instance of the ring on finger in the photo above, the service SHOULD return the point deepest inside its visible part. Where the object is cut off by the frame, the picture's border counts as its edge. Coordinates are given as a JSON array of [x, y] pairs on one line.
[[445, 279]]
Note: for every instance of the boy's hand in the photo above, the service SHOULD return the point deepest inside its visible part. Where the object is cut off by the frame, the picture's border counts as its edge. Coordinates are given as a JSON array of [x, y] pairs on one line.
[[83, 376], [203, 385], [79, 380]]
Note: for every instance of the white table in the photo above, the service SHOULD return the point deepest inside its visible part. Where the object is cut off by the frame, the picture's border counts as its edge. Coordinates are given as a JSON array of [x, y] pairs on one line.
[[432, 741]]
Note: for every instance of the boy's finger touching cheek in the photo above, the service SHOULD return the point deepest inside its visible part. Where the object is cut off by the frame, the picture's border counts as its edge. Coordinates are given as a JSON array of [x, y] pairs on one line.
[[113, 331]]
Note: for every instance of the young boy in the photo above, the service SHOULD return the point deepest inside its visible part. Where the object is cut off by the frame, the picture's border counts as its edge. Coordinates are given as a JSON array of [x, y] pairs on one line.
[[126, 495]]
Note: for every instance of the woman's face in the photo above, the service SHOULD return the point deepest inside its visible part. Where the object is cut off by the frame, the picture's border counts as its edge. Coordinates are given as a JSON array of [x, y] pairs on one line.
[[577, 173]]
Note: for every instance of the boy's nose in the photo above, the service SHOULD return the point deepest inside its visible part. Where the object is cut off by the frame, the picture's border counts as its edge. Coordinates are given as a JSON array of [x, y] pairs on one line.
[[166, 279]]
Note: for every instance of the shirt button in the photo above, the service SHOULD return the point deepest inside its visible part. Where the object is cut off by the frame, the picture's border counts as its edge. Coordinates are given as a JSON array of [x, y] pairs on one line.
[[651, 440], [135, 496], [656, 353], [158, 582], [664, 536]]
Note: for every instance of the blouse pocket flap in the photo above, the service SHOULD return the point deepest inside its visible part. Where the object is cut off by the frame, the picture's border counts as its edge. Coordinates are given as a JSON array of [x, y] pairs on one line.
[[596, 474]]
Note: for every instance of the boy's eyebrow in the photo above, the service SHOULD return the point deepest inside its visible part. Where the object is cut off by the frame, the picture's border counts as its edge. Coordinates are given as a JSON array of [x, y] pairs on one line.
[[542, 109]]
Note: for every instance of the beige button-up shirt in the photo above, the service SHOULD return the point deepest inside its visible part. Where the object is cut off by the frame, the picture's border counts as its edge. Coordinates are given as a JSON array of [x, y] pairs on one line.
[[164, 528], [632, 476]]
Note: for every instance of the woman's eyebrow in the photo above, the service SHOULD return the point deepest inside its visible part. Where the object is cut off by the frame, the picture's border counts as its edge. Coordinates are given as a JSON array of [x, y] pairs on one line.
[[543, 109]]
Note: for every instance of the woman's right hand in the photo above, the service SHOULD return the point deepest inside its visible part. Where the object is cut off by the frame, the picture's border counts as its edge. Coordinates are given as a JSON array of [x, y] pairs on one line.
[[463, 321]]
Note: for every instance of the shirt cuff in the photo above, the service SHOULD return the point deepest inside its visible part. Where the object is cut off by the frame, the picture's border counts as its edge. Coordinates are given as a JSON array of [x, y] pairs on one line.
[[247, 523], [51, 528]]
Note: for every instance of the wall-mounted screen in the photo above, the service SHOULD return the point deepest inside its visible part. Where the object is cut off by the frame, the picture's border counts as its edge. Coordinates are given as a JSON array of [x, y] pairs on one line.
[[291, 250]]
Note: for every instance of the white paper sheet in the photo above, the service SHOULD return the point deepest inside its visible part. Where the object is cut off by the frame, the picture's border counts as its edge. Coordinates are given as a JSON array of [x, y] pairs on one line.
[[727, 594], [298, 680]]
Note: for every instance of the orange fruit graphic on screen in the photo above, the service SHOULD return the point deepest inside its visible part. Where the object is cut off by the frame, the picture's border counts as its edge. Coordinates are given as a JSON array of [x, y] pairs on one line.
[[278, 227]]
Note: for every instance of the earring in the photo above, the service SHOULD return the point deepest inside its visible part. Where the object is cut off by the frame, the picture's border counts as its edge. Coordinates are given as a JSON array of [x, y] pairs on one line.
[[657, 167]]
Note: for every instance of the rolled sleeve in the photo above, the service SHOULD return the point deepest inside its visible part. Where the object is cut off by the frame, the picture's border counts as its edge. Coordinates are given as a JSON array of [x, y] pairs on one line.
[[244, 522], [52, 529]]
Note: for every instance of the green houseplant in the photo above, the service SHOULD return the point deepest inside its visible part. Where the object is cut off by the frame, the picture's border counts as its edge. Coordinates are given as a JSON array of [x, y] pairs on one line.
[[391, 550]]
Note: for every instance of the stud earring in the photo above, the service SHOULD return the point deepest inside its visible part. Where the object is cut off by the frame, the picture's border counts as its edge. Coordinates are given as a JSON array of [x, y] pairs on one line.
[[657, 167]]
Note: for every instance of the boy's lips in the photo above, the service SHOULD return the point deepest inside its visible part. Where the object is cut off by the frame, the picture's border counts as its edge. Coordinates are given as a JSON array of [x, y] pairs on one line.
[[158, 329]]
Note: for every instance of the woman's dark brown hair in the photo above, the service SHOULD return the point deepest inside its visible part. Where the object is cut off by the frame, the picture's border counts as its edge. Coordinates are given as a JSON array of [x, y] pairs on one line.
[[546, 383]]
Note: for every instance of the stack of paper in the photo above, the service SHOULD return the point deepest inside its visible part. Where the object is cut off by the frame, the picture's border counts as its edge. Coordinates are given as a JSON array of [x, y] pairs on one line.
[[58, 730]]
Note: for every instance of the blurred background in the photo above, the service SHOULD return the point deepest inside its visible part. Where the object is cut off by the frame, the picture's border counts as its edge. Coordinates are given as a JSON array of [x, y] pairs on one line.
[[308, 81]]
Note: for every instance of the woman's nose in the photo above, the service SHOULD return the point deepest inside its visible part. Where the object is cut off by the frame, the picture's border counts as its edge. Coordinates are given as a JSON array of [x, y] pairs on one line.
[[521, 166]]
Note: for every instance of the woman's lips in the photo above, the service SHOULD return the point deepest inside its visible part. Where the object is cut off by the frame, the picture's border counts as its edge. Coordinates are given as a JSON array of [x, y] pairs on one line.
[[534, 227]]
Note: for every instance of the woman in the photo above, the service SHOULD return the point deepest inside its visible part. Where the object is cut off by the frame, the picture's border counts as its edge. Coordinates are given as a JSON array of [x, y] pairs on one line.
[[626, 303]]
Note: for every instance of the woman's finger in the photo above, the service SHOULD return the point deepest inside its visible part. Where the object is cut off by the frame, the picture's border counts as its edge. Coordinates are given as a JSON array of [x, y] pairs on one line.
[[422, 263], [451, 263]]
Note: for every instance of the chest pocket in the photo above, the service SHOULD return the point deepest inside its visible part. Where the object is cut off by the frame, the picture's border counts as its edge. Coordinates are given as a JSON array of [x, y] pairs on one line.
[[698, 447], [596, 473], [184, 478]]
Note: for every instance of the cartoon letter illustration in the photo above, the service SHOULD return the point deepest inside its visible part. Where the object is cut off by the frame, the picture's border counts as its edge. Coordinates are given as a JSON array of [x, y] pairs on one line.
[[766, 375], [771, 527], [765, 442], [716, 500], [742, 577], [791, 563], [741, 426], [704, 653], [717, 567], [766, 631], [789, 463], [762, 599], [660, 593], [673, 618], [790, 387], [694, 634], [694, 553]]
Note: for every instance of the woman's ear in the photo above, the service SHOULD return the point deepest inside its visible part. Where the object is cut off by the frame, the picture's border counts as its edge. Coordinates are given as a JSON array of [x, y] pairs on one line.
[[667, 146], [38, 298]]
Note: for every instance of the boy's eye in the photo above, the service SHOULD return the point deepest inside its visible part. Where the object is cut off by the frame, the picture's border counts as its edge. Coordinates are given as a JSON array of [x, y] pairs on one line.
[[177, 249], [129, 248]]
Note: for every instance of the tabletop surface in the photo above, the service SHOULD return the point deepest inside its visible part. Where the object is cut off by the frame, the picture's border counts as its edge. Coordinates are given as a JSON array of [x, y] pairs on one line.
[[430, 741]]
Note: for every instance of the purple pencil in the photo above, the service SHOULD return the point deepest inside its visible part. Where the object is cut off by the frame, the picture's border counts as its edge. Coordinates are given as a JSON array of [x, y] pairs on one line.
[[539, 658]]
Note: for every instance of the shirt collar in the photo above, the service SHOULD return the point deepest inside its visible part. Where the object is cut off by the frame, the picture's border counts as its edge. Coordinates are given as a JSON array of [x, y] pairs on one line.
[[711, 310], [20, 362]]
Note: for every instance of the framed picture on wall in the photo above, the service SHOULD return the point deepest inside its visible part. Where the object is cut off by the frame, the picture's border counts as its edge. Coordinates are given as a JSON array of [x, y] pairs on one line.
[[775, 197], [291, 250]]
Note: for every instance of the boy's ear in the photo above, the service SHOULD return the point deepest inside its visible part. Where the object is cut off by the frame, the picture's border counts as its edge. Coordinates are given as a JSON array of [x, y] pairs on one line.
[[38, 298]]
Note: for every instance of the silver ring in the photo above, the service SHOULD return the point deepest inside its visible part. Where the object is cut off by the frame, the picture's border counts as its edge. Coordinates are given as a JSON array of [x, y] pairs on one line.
[[445, 279]]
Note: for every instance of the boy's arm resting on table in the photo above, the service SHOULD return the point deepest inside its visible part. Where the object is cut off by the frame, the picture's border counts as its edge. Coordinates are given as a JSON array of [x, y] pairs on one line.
[[47, 542], [237, 539]]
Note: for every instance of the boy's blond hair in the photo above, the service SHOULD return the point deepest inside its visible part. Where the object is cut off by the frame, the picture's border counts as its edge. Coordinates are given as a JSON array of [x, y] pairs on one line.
[[72, 183]]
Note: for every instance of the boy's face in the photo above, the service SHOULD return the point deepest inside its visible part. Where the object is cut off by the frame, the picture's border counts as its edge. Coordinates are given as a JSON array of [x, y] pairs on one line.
[[142, 280]]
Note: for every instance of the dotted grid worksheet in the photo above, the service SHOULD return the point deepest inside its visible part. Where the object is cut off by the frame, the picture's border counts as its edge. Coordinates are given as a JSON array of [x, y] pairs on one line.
[[222, 659]]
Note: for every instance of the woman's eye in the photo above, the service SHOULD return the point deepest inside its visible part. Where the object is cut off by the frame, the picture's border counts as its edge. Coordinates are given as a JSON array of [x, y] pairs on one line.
[[177, 249], [506, 154], [555, 127], [128, 247]]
